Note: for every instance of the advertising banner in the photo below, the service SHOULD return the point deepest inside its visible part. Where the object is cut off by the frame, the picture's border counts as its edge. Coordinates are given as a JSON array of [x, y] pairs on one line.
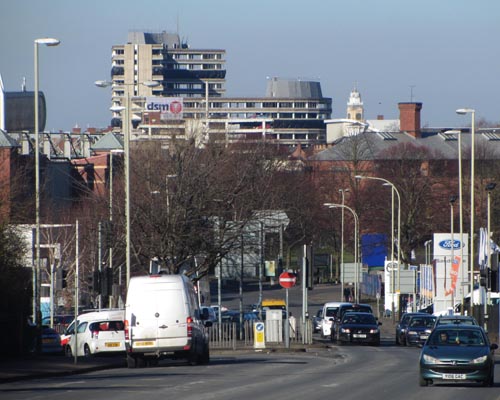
[[450, 271], [169, 107]]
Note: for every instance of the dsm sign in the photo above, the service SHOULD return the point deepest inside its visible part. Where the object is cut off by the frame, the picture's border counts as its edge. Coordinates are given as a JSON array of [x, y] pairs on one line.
[[168, 107]]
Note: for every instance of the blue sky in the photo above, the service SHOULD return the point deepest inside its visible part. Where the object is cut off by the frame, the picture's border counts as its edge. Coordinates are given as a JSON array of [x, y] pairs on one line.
[[444, 52]]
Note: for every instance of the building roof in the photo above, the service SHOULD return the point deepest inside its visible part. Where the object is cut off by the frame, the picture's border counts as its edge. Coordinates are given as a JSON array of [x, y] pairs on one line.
[[443, 143], [6, 140], [109, 141]]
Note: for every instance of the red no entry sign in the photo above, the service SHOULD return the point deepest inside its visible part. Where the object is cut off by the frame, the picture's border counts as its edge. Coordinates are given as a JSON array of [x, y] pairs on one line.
[[287, 280]]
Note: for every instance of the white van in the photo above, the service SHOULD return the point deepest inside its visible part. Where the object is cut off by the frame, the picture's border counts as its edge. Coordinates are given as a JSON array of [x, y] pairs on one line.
[[97, 332], [163, 319], [329, 313]]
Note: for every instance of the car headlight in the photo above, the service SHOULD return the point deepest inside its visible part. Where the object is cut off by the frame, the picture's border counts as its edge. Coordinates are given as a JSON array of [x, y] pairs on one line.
[[431, 360], [373, 330], [345, 330], [479, 360]]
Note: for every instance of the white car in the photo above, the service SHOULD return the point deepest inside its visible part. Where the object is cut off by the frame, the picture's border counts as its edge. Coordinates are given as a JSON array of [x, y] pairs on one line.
[[329, 314], [97, 332]]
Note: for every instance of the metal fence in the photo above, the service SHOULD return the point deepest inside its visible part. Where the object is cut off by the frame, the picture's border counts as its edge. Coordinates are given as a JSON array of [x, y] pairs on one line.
[[229, 335]]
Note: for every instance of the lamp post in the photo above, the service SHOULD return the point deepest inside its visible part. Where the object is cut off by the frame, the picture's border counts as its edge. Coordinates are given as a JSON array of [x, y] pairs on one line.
[[453, 198], [394, 190], [36, 275], [356, 244], [461, 221], [126, 146], [489, 188], [342, 192], [463, 111]]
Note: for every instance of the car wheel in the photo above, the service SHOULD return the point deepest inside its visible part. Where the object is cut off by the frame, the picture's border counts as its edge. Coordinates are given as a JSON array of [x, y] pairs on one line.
[[423, 382], [490, 381], [131, 361], [67, 351], [205, 357], [86, 350]]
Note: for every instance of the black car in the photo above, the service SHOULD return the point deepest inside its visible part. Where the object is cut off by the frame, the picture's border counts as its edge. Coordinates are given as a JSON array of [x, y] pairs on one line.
[[343, 309], [359, 327], [418, 329], [402, 325], [457, 353]]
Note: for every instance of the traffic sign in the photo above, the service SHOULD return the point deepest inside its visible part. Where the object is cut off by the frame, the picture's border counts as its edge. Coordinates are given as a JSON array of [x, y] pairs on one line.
[[287, 280]]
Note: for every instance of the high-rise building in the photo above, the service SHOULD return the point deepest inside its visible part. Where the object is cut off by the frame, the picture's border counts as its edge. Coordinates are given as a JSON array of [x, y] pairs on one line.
[[292, 111]]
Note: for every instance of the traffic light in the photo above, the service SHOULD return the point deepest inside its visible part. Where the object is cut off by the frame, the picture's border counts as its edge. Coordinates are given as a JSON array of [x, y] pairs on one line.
[[106, 281], [95, 283], [61, 278]]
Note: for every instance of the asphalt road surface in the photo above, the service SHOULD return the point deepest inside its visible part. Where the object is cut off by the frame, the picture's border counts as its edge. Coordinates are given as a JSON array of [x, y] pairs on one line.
[[347, 372]]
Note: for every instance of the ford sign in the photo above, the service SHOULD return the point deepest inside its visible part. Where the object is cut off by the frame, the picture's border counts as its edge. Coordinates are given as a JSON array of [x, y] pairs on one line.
[[446, 244]]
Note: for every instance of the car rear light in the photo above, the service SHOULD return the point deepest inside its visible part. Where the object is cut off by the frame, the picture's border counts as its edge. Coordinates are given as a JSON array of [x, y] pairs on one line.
[[127, 337], [94, 334], [189, 322]]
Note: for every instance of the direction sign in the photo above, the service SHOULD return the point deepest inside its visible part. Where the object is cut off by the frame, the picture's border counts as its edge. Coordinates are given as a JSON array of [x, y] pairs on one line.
[[287, 280]]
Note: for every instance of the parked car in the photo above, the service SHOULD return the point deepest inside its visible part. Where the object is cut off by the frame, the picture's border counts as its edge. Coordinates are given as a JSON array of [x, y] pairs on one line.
[[96, 332], [61, 322], [457, 353], [318, 321], [359, 327], [455, 320], [403, 324], [51, 340], [418, 329]]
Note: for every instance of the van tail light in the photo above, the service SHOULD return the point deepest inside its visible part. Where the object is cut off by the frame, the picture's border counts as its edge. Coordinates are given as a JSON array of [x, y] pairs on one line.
[[126, 330], [189, 322]]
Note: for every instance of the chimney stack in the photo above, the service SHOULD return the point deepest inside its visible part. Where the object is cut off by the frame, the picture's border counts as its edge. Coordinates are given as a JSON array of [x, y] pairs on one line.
[[409, 118]]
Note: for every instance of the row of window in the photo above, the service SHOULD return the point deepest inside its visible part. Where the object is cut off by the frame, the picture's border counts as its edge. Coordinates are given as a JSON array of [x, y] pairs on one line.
[[177, 56]]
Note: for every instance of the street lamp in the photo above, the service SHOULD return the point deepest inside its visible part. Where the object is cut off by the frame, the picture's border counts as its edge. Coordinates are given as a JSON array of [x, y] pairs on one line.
[[394, 190], [356, 245], [342, 192], [452, 200], [36, 280], [463, 111], [489, 188], [126, 147]]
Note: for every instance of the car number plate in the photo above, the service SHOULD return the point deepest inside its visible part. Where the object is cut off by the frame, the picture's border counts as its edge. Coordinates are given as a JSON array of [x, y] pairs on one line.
[[454, 376], [359, 335], [144, 343], [112, 344], [424, 337]]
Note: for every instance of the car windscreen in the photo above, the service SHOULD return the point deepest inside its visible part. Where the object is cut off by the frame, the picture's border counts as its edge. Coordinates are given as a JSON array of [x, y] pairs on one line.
[[356, 318], [331, 311], [421, 322], [455, 337]]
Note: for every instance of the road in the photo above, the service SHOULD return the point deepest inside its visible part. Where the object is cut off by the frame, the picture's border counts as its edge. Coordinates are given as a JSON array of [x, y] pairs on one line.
[[347, 372]]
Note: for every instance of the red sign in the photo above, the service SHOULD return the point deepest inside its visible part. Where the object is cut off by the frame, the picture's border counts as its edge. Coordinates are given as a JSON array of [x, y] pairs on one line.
[[287, 280]]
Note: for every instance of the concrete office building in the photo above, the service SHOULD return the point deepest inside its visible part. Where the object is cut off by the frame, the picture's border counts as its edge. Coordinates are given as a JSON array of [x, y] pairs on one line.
[[291, 112]]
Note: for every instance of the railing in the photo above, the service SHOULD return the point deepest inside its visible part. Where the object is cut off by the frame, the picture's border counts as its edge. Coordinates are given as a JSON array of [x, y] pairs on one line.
[[228, 335]]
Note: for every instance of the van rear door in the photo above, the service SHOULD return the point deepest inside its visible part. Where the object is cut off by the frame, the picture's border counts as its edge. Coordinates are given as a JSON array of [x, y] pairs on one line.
[[158, 317]]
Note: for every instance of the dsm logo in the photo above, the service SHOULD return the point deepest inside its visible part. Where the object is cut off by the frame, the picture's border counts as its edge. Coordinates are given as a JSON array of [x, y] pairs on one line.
[[447, 244]]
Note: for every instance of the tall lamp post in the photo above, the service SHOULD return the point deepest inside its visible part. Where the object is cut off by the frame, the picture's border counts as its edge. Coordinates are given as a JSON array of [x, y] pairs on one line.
[[453, 198], [36, 280], [356, 245], [342, 192], [463, 111], [489, 188], [394, 190], [126, 146]]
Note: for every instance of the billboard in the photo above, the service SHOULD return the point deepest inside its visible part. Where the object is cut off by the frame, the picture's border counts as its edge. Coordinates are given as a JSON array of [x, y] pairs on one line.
[[450, 271], [169, 107]]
